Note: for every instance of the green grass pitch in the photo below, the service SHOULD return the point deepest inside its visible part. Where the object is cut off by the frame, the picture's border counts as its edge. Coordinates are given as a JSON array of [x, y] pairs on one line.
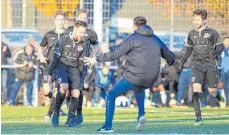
[[24, 120]]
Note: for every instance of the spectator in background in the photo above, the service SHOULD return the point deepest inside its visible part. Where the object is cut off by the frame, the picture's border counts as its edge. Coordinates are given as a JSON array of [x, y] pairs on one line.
[[5, 54], [159, 87], [25, 74], [221, 93], [103, 81], [89, 85], [171, 78], [225, 69], [185, 78], [119, 72]]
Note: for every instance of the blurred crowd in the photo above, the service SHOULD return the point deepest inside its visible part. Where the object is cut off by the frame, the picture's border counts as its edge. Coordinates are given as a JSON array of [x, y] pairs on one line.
[[172, 89]]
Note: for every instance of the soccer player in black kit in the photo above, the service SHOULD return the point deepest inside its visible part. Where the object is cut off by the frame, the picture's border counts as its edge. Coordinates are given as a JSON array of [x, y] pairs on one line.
[[92, 40], [45, 52], [68, 52], [206, 45]]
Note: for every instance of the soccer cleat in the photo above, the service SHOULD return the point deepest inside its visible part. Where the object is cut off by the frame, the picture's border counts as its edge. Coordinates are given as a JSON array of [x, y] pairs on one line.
[[55, 119], [141, 123], [105, 129], [79, 119], [71, 123], [198, 122], [10, 103], [47, 118]]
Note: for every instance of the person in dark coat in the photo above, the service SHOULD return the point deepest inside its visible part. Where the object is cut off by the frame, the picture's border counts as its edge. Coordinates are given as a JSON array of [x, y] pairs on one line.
[[26, 58], [143, 52]]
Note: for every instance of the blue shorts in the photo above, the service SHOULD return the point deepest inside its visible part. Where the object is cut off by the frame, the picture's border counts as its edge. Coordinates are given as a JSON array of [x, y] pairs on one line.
[[69, 75]]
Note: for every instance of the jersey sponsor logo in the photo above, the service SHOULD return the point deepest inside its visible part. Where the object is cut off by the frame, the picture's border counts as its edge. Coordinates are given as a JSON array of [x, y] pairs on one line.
[[53, 38], [201, 43], [206, 35], [195, 37], [68, 46], [80, 48]]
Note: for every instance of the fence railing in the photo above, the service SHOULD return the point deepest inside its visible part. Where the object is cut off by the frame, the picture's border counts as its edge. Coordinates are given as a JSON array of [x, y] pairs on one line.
[[35, 83]]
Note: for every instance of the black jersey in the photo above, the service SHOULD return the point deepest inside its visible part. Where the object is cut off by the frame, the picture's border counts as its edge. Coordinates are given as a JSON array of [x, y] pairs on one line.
[[204, 42], [68, 52], [48, 42], [89, 36]]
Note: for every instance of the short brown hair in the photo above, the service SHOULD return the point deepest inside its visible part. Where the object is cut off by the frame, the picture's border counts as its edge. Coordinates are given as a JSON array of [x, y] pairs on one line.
[[80, 23], [139, 20], [80, 11], [59, 13], [201, 12]]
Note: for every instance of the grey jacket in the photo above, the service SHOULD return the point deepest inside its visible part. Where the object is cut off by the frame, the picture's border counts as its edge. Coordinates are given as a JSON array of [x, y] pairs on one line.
[[25, 73]]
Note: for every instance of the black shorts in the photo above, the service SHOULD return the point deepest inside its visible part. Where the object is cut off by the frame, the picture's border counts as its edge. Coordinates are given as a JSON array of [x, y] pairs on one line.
[[45, 75], [205, 72], [71, 76]]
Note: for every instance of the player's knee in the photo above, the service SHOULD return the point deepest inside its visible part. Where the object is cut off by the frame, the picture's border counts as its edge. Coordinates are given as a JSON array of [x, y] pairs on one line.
[[197, 87], [46, 89], [75, 93], [63, 87], [212, 92]]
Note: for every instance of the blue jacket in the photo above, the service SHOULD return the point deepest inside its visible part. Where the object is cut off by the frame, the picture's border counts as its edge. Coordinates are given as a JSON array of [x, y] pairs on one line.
[[103, 81], [143, 52], [225, 60]]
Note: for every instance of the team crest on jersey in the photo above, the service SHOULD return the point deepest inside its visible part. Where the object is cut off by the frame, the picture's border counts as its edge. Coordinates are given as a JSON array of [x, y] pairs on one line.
[[193, 79], [59, 80], [206, 35], [80, 48]]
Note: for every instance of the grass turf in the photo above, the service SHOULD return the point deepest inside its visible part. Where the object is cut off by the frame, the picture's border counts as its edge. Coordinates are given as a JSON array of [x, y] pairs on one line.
[[24, 120]]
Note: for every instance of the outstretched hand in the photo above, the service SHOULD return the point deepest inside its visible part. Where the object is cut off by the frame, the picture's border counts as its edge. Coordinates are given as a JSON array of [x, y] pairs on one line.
[[90, 61]]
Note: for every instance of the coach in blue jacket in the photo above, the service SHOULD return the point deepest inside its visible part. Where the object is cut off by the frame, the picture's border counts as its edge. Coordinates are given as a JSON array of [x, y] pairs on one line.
[[143, 52]]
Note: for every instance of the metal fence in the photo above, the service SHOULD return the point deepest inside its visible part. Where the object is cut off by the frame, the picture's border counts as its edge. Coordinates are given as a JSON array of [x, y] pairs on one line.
[[159, 13], [166, 15]]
